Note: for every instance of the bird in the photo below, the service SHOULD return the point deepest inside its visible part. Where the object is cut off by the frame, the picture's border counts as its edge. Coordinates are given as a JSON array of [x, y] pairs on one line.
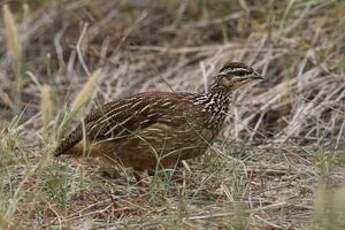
[[157, 130]]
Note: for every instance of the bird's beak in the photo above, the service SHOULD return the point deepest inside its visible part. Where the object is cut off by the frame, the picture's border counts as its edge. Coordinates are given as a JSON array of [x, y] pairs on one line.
[[258, 76]]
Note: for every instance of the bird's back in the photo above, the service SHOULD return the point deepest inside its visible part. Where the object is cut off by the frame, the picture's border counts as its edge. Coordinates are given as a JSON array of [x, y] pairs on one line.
[[121, 117]]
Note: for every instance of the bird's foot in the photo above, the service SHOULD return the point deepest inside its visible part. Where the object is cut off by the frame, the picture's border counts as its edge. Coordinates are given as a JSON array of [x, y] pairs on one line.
[[109, 173]]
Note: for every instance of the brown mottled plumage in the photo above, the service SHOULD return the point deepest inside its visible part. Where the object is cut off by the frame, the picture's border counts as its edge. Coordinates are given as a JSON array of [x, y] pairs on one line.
[[159, 128]]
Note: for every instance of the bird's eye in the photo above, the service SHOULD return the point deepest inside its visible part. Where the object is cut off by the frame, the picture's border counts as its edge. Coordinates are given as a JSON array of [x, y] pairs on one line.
[[240, 73]]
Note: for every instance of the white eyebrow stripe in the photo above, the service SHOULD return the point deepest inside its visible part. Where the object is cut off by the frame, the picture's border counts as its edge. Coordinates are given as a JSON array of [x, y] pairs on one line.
[[239, 69]]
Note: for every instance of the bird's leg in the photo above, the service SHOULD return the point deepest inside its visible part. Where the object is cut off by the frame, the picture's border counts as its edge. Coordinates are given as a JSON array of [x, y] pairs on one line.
[[175, 167], [137, 173], [151, 172], [178, 174], [137, 176], [110, 173], [110, 167]]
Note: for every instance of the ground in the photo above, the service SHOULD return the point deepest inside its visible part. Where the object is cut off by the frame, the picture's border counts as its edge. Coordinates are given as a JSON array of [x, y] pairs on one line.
[[278, 163]]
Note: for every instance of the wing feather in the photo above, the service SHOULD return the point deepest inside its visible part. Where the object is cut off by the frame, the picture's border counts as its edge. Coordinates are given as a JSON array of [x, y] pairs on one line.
[[122, 117]]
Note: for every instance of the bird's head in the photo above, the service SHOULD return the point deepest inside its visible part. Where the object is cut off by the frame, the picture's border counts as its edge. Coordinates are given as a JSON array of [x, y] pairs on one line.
[[235, 74]]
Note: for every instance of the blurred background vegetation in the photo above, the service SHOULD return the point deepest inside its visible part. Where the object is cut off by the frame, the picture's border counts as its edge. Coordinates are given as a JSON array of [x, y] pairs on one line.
[[281, 159]]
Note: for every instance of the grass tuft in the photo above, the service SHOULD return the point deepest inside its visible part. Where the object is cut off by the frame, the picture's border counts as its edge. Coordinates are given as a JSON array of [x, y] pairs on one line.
[[15, 50], [13, 43], [46, 105], [85, 94]]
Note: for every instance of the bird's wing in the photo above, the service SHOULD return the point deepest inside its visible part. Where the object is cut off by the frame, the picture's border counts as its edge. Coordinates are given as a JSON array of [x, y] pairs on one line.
[[121, 118]]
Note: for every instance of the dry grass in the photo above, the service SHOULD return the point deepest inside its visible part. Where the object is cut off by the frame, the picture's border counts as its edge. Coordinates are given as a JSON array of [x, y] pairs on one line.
[[279, 164], [15, 50]]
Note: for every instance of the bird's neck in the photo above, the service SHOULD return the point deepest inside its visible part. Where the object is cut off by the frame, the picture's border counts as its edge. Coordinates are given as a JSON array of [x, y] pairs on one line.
[[215, 101]]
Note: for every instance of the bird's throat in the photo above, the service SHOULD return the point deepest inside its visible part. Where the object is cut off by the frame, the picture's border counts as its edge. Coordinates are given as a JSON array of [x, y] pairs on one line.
[[216, 103]]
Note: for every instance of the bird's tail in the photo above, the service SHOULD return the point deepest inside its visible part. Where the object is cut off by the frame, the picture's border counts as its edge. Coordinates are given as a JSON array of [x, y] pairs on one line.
[[67, 144]]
